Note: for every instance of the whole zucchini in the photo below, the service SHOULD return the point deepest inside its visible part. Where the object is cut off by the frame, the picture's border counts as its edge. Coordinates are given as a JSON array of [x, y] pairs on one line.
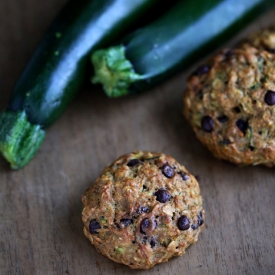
[[187, 32], [57, 68]]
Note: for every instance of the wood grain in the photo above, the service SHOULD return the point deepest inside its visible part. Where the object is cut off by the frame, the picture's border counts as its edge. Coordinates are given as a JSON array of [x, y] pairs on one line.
[[40, 205]]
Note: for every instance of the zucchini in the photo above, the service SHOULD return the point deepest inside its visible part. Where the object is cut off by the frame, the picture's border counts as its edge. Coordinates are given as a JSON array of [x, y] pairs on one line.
[[187, 32], [57, 68]]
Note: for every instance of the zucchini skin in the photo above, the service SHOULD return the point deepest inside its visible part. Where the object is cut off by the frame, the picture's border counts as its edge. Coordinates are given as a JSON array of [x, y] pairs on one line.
[[186, 33], [56, 70]]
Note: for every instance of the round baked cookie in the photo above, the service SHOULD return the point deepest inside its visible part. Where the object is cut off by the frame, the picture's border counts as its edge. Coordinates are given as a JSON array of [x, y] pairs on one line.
[[230, 103], [261, 40], [143, 209]]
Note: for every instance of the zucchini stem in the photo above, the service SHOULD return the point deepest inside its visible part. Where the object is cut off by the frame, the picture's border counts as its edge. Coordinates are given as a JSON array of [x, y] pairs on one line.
[[113, 71], [19, 139]]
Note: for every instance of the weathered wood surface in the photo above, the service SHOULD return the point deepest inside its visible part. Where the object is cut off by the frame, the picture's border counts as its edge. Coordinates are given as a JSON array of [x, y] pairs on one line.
[[40, 205]]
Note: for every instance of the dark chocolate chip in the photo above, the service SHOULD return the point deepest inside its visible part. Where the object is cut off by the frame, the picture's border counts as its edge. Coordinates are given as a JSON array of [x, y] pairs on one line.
[[203, 69], [144, 240], [93, 226], [194, 226], [184, 176], [126, 222], [242, 125], [207, 124], [155, 225], [168, 171], [270, 98], [200, 219], [133, 162], [183, 223], [199, 222], [152, 242], [144, 209], [162, 195], [144, 225], [222, 119]]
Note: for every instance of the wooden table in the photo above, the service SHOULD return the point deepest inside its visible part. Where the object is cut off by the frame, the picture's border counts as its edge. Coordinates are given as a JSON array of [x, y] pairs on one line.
[[40, 205]]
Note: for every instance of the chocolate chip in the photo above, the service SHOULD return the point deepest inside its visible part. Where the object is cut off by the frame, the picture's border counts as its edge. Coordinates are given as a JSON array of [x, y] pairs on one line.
[[183, 175], [194, 226], [207, 124], [133, 162], [126, 222], [242, 125], [155, 224], [152, 242], [183, 223], [270, 98], [144, 225], [144, 209], [144, 240], [199, 221], [93, 226], [201, 70], [222, 119], [168, 171], [162, 195]]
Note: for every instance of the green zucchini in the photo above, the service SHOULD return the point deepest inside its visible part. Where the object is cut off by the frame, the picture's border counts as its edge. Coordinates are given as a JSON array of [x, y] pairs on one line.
[[187, 32], [57, 68]]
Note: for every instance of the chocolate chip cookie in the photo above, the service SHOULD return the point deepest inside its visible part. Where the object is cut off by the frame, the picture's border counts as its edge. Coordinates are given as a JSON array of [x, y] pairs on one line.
[[261, 40], [230, 103], [143, 209]]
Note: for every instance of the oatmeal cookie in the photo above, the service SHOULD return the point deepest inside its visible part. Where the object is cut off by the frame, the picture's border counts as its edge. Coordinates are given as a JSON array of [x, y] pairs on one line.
[[261, 40], [143, 209], [230, 103]]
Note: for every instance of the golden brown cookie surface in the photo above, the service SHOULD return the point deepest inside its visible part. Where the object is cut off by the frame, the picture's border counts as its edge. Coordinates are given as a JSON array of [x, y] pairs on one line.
[[261, 40], [144, 209], [231, 104]]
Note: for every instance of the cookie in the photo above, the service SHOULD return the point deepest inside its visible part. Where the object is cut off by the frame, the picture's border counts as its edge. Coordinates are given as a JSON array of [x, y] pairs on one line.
[[142, 210], [230, 103], [261, 40]]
